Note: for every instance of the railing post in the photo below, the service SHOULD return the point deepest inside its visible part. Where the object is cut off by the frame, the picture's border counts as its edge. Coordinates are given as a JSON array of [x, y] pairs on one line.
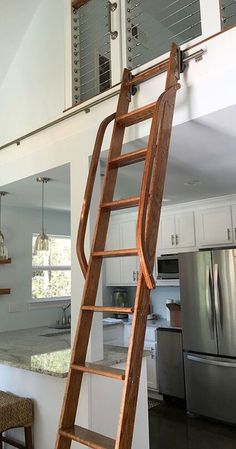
[[210, 17]]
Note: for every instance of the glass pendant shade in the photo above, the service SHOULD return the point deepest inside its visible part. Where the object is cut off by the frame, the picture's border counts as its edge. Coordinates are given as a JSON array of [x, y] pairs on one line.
[[3, 248], [42, 242]]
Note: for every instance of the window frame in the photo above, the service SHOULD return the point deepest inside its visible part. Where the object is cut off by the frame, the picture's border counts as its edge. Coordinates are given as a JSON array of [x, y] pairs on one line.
[[50, 268]]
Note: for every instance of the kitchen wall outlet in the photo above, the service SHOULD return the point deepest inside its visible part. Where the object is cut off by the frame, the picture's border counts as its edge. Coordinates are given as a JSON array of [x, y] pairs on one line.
[[16, 308]]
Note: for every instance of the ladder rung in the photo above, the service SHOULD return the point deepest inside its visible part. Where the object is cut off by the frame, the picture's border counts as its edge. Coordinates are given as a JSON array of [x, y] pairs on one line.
[[149, 73], [122, 204], [122, 310], [116, 253], [129, 158], [88, 437], [139, 115], [100, 370]]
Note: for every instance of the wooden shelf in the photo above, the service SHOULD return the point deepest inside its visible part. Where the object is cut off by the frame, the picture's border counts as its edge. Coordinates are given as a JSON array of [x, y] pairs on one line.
[[4, 261], [5, 291]]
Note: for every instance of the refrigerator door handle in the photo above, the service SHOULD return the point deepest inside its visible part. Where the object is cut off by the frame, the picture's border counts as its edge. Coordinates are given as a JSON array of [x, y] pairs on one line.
[[193, 358], [209, 302], [217, 296]]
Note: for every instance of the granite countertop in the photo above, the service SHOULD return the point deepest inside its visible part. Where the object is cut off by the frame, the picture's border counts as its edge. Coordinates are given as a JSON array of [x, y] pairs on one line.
[[157, 324], [47, 351], [40, 349]]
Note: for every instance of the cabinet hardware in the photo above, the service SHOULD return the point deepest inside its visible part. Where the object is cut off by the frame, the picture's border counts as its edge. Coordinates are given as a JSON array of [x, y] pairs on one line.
[[229, 234], [134, 276], [235, 233], [137, 275], [172, 239], [176, 239]]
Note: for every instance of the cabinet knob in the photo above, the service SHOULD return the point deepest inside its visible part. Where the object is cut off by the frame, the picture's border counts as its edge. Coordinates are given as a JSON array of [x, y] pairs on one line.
[[134, 276], [172, 239], [176, 239], [229, 234]]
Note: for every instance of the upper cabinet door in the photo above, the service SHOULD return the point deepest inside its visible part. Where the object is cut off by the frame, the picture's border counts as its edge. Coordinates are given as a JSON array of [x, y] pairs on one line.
[[113, 271], [167, 232], [185, 230], [214, 226], [129, 266]]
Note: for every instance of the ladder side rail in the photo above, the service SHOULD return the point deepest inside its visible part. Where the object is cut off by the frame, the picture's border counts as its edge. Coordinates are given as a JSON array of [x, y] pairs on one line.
[[79, 351], [88, 193], [172, 85], [161, 159], [147, 179], [133, 367]]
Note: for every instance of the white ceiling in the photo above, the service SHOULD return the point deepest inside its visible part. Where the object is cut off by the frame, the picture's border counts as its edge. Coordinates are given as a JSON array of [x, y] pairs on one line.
[[15, 17], [202, 150], [27, 192]]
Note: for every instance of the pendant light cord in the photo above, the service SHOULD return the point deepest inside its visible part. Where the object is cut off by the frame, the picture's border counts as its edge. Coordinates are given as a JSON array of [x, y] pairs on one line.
[[0, 212], [43, 207]]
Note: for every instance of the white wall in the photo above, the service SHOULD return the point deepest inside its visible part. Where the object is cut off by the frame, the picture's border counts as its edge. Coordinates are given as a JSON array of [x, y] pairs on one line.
[[18, 226], [32, 92]]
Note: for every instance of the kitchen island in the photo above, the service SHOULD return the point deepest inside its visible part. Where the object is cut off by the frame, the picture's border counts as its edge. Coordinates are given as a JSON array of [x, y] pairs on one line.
[[34, 363]]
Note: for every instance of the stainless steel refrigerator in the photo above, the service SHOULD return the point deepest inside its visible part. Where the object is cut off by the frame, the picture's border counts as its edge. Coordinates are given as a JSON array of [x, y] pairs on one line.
[[208, 303]]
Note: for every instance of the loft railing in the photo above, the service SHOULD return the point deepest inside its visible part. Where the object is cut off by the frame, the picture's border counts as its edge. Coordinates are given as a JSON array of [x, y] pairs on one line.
[[108, 35], [228, 13], [153, 25]]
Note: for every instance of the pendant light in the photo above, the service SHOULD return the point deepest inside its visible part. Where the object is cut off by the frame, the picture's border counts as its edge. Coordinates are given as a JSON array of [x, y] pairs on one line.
[[42, 242], [3, 248]]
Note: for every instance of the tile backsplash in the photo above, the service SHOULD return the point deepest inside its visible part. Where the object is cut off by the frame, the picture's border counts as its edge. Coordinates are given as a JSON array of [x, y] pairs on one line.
[[160, 296]]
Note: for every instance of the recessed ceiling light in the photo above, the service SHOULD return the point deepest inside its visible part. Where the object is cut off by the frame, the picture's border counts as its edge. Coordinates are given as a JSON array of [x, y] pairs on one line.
[[192, 182]]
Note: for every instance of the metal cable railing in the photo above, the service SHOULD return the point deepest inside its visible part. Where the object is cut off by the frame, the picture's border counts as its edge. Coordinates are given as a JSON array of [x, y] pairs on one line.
[[228, 13], [91, 51], [153, 24]]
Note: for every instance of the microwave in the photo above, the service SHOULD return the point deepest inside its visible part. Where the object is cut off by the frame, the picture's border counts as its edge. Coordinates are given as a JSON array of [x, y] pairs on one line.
[[168, 267]]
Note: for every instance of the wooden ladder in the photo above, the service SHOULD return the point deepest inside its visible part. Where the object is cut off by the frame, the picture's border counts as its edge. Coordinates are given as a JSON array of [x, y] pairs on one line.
[[149, 207]]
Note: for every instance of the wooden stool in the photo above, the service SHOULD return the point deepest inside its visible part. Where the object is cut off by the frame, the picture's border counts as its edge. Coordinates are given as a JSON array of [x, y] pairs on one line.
[[15, 412]]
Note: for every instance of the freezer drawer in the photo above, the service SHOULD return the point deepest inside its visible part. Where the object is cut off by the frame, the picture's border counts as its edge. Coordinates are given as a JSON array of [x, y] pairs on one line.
[[170, 362], [210, 386]]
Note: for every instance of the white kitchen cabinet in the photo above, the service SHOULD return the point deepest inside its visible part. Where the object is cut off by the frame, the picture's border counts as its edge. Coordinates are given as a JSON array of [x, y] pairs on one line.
[[122, 234], [234, 221], [177, 231], [167, 232], [129, 265], [113, 334], [214, 226], [185, 230], [113, 267], [152, 380]]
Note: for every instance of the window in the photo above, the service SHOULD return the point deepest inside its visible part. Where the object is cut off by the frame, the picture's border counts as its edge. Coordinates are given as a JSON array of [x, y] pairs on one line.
[[51, 273]]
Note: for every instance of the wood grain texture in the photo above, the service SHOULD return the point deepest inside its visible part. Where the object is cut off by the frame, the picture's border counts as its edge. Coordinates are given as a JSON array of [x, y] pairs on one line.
[[76, 4], [88, 193], [150, 200], [74, 380], [121, 204], [116, 253], [137, 116], [122, 310], [129, 158], [100, 370], [5, 261], [5, 291], [88, 438]]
